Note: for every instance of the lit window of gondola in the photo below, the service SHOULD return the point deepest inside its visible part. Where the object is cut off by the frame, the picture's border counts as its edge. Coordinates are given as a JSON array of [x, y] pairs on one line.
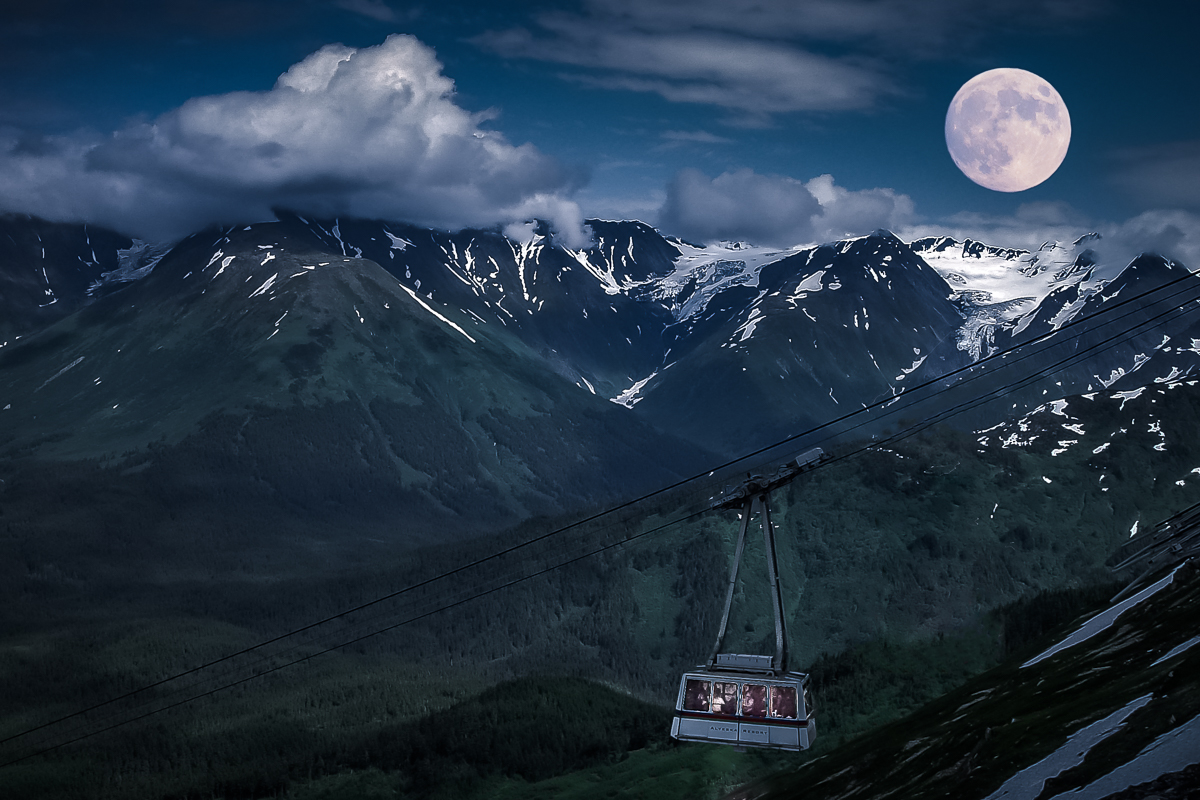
[[783, 702], [725, 698], [696, 696], [754, 700]]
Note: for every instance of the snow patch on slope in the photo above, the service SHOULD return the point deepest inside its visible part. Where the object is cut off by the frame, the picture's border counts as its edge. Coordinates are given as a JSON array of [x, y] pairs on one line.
[[701, 273]]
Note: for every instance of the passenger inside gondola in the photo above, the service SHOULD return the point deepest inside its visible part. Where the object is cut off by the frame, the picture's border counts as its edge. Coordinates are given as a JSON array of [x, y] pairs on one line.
[[754, 700], [724, 698], [783, 702], [695, 697]]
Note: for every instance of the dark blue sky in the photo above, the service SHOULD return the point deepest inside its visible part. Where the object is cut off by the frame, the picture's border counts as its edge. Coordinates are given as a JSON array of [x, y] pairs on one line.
[[609, 108]]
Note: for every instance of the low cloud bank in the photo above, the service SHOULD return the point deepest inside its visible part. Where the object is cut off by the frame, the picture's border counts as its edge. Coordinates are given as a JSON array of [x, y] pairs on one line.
[[774, 209], [371, 132], [780, 211], [1173, 233]]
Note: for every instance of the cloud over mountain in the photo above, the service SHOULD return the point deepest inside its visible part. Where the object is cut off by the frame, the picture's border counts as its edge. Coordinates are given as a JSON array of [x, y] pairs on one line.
[[775, 209], [373, 132], [1172, 233]]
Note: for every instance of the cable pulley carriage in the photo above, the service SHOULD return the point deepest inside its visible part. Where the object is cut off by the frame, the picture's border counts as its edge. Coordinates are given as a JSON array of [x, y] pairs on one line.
[[750, 700]]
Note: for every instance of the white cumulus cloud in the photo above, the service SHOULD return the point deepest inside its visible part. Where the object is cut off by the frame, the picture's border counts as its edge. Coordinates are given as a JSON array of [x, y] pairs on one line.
[[371, 132], [766, 209], [846, 213]]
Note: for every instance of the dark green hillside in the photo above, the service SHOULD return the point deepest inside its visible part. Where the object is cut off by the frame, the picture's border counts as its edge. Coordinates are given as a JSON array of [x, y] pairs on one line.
[[241, 376], [527, 730], [970, 742], [305, 497], [891, 562]]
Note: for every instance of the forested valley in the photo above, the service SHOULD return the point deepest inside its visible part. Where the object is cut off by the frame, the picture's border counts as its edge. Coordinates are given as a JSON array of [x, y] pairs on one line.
[[907, 568]]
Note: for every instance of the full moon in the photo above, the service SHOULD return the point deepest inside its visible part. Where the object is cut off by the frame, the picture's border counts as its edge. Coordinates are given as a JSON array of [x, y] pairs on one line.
[[1007, 129]]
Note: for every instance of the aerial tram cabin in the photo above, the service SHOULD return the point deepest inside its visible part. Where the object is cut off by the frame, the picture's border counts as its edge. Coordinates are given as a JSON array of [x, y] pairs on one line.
[[750, 700], [722, 704]]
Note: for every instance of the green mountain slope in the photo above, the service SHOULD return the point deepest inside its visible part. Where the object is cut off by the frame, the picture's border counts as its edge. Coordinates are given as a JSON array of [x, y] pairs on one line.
[[284, 374], [891, 562], [1114, 712]]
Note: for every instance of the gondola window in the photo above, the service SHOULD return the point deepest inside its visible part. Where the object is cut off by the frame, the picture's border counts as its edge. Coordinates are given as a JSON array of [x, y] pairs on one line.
[[754, 700], [783, 702], [696, 698], [725, 698]]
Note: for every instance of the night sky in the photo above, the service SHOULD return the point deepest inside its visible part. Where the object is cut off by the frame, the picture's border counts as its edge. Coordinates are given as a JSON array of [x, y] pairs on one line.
[[774, 122]]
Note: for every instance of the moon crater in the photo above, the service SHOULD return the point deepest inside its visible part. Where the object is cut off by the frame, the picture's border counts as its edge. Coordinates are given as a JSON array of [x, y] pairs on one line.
[[1008, 129]]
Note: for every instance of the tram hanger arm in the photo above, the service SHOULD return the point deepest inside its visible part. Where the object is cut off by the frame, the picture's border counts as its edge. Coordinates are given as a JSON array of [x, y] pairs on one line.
[[757, 484], [779, 662]]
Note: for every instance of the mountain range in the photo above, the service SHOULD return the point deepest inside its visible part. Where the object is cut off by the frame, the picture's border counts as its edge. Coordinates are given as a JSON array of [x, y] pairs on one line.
[[727, 346], [414, 384]]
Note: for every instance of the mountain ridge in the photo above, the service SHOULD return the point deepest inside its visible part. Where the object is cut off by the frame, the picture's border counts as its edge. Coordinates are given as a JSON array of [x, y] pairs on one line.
[[693, 337], [239, 362]]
